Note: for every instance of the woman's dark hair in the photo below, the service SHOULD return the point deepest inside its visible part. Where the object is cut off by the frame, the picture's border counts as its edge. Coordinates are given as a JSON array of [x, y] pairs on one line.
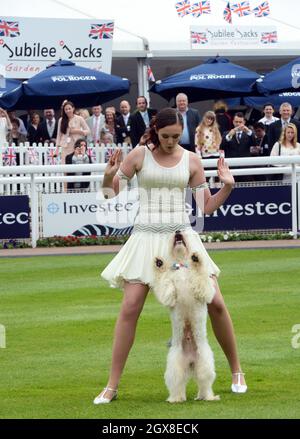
[[16, 122], [164, 118], [64, 118], [78, 142]]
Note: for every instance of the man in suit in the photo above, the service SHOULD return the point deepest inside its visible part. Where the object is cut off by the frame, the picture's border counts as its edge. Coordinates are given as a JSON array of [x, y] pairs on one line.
[[274, 131], [140, 120], [95, 123], [191, 120], [47, 129], [123, 123], [238, 141]]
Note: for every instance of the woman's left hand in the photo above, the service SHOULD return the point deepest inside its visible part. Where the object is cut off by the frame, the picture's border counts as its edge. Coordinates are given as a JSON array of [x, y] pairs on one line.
[[224, 173]]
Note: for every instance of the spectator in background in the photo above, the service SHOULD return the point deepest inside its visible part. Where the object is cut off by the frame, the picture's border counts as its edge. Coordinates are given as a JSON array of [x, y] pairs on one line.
[[83, 112], [269, 117], [12, 116], [191, 120], [108, 139], [14, 135], [95, 124], [33, 135], [140, 120], [223, 118], [275, 129], [123, 123], [79, 157], [208, 137], [261, 140], [48, 127], [5, 127], [286, 146], [71, 127], [109, 124], [237, 142], [26, 118]]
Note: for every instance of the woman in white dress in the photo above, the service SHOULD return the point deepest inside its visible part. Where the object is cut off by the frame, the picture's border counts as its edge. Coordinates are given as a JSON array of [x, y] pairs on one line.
[[163, 163]]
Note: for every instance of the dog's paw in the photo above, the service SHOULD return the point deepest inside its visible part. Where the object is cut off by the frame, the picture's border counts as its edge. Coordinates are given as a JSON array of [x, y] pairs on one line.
[[207, 398], [168, 300], [174, 399]]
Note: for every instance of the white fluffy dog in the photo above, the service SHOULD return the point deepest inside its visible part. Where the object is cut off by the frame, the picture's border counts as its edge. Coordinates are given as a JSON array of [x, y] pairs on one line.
[[183, 284]]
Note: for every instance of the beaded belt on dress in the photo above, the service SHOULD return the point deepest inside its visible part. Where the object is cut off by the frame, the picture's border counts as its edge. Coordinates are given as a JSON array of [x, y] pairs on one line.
[[160, 228]]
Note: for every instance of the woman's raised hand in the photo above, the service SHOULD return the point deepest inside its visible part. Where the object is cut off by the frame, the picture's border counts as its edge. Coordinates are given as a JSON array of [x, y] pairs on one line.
[[224, 173], [113, 163]]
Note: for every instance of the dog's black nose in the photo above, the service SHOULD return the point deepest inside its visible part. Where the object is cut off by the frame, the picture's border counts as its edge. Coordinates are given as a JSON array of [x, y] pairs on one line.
[[195, 258]]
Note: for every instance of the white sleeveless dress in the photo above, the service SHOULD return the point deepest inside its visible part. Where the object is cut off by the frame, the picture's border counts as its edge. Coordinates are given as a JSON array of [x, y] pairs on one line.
[[161, 213]]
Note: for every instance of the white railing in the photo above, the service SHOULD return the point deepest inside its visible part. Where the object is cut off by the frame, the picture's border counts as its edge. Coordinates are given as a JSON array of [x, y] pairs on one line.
[[40, 154], [34, 175]]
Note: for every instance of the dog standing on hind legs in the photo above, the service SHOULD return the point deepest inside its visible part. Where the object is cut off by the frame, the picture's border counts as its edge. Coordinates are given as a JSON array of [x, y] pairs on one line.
[[183, 284]]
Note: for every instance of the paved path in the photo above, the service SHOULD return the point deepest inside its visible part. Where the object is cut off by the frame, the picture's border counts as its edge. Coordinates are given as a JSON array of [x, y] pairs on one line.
[[96, 249]]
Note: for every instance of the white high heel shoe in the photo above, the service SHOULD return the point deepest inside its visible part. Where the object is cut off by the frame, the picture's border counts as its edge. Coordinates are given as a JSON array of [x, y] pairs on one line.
[[239, 388], [100, 399]]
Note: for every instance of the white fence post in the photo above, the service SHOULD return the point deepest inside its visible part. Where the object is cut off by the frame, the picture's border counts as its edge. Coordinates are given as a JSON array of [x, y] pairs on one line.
[[34, 211], [294, 201]]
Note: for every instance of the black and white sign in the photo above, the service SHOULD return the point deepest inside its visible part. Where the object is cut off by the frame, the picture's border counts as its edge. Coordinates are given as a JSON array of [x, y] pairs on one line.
[[14, 217], [248, 208], [85, 214]]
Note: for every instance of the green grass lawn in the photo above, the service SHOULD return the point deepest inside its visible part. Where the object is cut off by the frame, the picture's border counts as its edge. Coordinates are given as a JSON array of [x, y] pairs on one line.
[[59, 318]]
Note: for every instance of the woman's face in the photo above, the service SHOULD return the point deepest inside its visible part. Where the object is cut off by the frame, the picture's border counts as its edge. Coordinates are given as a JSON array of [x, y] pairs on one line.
[[169, 137], [15, 127], [69, 110], [209, 120], [289, 134], [109, 116], [35, 119]]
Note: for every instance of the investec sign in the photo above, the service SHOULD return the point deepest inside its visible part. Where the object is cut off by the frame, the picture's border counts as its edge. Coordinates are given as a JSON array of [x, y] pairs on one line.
[[29, 45]]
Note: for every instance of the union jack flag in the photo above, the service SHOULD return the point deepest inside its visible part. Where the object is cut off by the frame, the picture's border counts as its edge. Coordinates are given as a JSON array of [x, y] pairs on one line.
[[199, 38], [9, 157], [262, 10], [227, 15], [200, 8], [51, 158], [150, 74], [32, 156], [9, 28], [269, 37], [242, 8], [183, 8], [108, 153], [91, 152], [101, 31]]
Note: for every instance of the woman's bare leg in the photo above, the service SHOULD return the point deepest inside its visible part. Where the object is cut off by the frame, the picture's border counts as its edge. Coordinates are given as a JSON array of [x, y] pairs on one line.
[[132, 305], [224, 332]]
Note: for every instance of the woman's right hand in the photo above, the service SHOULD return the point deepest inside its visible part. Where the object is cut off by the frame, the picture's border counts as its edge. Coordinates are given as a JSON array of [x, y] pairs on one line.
[[113, 164]]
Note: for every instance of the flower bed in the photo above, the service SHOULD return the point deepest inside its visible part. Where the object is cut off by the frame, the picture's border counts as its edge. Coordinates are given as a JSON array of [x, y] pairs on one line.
[[74, 241]]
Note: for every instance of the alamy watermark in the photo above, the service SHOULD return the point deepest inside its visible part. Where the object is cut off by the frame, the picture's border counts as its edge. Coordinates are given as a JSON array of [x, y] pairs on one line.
[[2, 336], [152, 207], [296, 338]]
